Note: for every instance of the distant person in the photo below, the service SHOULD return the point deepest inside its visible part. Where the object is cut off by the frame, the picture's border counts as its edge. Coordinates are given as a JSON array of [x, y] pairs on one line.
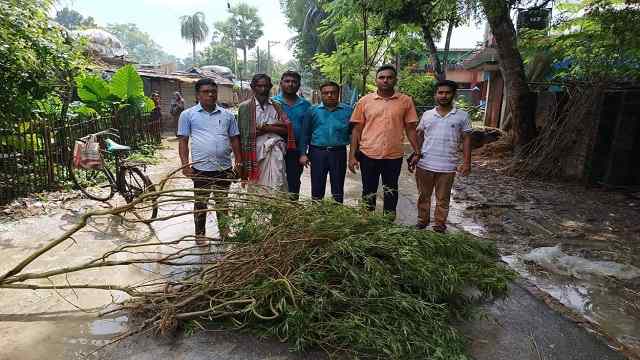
[[326, 131], [177, 107], [295, 107], [439, 134], [214, 135], [156, 113], [380, 120], [266, 136]]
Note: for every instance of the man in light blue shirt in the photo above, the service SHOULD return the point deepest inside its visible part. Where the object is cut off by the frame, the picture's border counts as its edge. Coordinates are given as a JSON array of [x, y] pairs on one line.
[[295, 107], [213, 133], [327, 132]]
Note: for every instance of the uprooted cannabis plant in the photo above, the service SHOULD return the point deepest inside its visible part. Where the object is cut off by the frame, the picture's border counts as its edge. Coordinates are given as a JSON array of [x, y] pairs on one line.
[[317, 275]]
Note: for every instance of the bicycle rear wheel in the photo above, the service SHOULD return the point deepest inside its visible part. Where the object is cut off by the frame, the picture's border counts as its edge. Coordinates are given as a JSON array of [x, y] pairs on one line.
[[94, 183], [136, 184]]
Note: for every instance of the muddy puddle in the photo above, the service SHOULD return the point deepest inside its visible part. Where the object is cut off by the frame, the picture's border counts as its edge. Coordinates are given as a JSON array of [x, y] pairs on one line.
[[64, 324], [600, 302]]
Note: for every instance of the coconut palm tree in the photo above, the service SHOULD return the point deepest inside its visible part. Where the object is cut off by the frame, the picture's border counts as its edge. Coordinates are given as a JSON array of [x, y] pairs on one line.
[[194, 28]]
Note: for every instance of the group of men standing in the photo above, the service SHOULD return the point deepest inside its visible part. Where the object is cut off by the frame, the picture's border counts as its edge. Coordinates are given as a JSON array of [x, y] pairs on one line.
[[274, 139]]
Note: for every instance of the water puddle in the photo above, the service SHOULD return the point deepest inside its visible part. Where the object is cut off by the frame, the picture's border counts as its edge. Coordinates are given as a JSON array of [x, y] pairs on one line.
[[604, 304], [108, 327], [465, 223]]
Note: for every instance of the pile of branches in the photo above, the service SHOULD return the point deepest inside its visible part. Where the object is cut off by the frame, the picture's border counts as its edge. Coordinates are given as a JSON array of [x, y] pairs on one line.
[[314, 274], [567, 127]]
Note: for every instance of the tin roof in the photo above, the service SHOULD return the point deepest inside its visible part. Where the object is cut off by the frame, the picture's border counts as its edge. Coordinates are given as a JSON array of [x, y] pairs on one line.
[[482, 57], [186, 76]]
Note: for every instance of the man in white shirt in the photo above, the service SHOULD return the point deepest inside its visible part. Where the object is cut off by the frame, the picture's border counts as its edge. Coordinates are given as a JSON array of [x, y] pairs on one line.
[[439, 134]]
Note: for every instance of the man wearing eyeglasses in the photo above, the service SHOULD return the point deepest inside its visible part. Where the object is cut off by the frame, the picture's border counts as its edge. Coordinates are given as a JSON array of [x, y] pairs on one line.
[[213, 133]]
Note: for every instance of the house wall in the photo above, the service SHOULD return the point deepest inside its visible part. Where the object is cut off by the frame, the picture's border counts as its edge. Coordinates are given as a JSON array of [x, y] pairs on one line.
[[606, 147], [225, 94], [463, 77], [614, 158], [168, 87]]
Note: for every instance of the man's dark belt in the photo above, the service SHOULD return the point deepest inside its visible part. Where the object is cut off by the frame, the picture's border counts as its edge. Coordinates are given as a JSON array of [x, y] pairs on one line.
[[329, 148]]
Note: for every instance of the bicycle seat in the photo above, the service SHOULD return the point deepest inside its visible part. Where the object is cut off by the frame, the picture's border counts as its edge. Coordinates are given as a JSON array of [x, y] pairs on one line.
[[113, 146]]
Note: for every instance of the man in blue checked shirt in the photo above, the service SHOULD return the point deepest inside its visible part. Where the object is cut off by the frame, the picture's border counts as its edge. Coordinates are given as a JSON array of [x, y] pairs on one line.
[[327, 133], [295, 107]]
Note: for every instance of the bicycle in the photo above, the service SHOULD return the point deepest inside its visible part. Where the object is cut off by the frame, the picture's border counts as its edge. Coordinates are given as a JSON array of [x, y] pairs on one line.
[[101, 184]]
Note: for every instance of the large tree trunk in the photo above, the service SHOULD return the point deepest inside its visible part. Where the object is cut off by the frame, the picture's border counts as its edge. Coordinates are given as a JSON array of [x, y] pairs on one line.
[[520, 101], [433, 52]]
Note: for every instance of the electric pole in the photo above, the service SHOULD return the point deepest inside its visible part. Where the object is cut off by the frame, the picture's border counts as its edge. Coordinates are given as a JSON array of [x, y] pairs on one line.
[[234, 50], [257, 59]]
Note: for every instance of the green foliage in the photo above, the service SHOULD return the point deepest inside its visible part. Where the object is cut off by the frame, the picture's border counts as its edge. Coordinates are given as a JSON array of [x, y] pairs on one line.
[[593, 40], [125, 90], [73, 20], [140, 46], [242, 29], [358, 283], [420, 86], [247, 25], [92, 88], [304, 17], [126, 84], [38, 59], [344, 24], [146, 154], [217, 54], [476, 114], [194, 29]]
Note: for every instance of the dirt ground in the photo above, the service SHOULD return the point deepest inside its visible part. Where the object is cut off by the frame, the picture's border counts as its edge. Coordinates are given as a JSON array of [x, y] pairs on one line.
[[518, 214]]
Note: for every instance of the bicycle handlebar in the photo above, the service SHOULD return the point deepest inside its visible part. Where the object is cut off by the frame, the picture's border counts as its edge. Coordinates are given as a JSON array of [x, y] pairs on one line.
[[111, 132]]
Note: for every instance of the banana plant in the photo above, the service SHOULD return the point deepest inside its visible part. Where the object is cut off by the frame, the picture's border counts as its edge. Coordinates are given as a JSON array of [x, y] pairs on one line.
[[125, 90]]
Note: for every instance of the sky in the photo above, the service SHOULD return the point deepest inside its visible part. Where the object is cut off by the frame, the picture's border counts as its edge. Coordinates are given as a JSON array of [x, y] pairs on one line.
[[160, 18]]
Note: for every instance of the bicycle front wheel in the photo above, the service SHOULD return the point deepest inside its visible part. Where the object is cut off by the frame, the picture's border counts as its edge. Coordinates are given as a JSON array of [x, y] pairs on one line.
[[137, 184], [94, 183]]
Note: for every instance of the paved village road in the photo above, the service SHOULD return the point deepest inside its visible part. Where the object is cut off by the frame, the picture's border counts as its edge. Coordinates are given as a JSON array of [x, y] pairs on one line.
[[40, 324]]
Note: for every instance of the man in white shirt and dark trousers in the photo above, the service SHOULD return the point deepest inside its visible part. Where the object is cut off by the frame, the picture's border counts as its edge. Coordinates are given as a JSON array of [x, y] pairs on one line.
[[439, 134]]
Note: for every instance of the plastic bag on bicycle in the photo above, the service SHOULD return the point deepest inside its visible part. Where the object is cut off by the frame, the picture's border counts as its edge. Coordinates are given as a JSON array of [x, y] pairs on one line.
[[86, 155]]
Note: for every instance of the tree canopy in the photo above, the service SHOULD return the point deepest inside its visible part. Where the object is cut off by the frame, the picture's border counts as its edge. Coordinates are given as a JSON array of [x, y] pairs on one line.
[[590, 40], [194, 28], [73, 20], [39, 59], [217, 54], [244, 27], [139, 44]]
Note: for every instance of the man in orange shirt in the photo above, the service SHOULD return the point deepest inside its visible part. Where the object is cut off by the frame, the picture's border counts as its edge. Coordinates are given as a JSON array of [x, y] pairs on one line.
[[380, 120]]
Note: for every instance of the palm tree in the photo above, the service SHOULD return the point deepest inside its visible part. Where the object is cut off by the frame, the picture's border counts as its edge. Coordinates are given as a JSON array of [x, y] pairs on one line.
[[246, 27], [195, 29]]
